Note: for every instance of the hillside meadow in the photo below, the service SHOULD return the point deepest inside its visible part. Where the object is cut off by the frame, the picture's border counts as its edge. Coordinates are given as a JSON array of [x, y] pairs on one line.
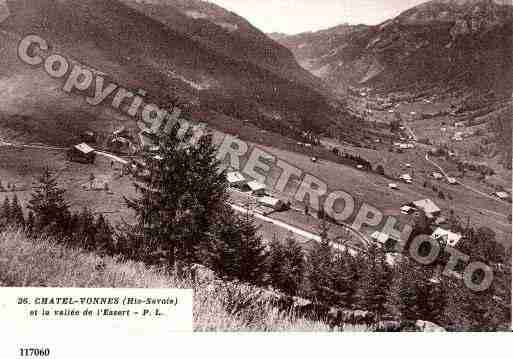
[[41, 262]]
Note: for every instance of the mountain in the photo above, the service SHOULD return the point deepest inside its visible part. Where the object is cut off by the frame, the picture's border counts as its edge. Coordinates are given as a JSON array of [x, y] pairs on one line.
[[438, 44], [209, 57]]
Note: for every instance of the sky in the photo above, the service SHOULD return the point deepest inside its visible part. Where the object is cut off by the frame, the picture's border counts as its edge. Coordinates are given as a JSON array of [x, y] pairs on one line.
[[295, 16]]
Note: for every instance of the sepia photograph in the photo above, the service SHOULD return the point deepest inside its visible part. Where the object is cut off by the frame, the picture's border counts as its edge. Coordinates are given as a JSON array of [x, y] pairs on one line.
[[261, 166]]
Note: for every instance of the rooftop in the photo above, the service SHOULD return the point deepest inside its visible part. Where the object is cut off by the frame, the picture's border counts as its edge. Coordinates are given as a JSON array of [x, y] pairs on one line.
[[449, 237], [427, 205], [84, 148]]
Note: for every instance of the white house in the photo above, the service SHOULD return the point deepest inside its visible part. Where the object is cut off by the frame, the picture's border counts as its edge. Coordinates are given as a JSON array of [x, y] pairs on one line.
[[235, 179], [501, 195], [257, 188], [393, 186], [406, 178], [428, 207], [383, 238], [406, 209], [271, 202], [447, 236]]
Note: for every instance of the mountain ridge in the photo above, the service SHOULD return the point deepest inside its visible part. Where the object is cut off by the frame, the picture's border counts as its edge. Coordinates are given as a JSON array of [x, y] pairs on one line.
[[442, 39]]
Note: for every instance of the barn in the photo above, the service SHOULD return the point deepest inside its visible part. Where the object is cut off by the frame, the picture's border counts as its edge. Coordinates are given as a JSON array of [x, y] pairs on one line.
[[82, 153]]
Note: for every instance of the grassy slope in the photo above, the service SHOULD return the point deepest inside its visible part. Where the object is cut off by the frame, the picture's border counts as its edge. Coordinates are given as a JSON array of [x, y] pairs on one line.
[[37, 263]]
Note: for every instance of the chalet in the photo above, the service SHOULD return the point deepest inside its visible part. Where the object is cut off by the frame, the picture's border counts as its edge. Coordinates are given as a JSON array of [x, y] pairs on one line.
[[446, 236], [384, 239], [148, 139], [407, 209], [82, 153], [271, 202], [428, 207], [501, 195], [406, 178], [257, 188], [235, 179], [120, 145]]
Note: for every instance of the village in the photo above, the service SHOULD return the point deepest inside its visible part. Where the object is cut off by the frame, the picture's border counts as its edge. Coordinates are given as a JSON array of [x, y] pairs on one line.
[[280, 212]]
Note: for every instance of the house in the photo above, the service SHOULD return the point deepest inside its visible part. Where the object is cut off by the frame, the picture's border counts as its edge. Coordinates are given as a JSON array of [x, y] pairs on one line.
[[257, 188], [407, 209], [148, 139], [501, 195], [82, 153], [235, 179], [120, 145], [448, 237], [428, 207], [271, 202], [406, 178], [393, 186], [383, 238]]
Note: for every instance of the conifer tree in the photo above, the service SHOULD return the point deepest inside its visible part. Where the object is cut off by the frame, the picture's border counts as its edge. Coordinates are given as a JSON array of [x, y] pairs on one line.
[[31, 221], [345, 278], [286, 265], [17, 216], [104, 236], [235, 250], [48, 204], [85, 237], [275, 260], [5, 212], [319, 271], [294, 266], [374, 282], [178, 202]]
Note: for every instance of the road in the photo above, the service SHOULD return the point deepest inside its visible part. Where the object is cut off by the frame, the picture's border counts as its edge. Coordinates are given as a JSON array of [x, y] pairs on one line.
[[278, 223], [53, 148], [461, 183], [293, 229], [445, 173]]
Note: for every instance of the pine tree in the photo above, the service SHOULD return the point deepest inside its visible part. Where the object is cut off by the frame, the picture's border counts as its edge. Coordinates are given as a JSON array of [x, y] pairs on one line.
[[286, 265], [31, 222], [178, 202], [104, 236], [319, 272], [275, 260], [253, 254], [374, 282], [85, 237], [48, 204], [235, 250], [415, 293], [345, 278], [17, 216], [5, 213], [293, 267]]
